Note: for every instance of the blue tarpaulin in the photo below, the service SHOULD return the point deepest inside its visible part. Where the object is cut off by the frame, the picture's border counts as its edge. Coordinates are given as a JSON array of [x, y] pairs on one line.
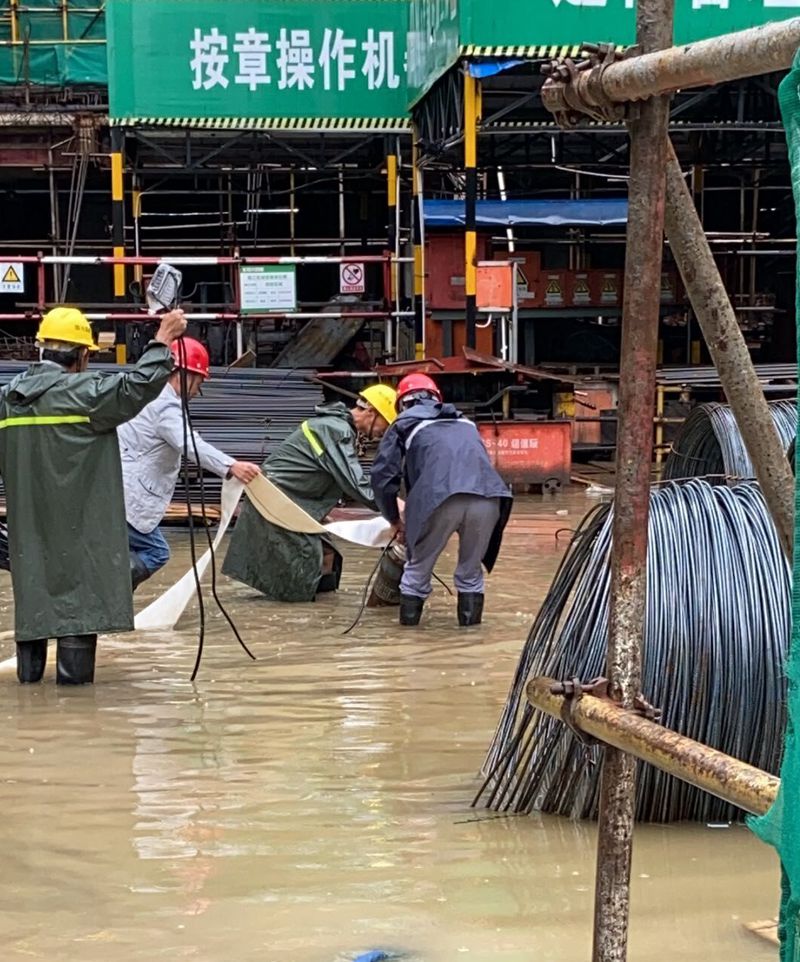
[[513, 213]]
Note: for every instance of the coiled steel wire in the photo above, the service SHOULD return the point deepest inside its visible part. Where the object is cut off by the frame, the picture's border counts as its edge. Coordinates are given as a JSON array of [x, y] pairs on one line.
[[710, 443], [718, 625]]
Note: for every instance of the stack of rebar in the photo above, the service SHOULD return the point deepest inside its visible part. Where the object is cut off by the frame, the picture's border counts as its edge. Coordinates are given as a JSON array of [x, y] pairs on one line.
[[710, 442], [718, 626], [244, 411]]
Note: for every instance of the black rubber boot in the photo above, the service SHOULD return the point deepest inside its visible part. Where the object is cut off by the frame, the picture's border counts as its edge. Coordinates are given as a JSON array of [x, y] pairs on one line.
[[31, 660], [470, 609], [410, 609], [139, 571], [330, 581], [75, 656]]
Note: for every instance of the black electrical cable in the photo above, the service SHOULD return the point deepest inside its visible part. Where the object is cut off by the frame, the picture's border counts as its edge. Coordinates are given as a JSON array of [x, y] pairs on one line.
[[182, 375], [188, 431], [214, 594], [367, 586]]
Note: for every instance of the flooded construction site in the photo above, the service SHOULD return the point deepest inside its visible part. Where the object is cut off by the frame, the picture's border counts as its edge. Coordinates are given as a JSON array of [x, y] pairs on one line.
[[315, 804]]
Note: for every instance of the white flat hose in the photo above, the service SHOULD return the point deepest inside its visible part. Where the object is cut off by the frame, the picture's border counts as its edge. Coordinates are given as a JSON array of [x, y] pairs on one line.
[[279, 509], [165, 612], [274, 506]]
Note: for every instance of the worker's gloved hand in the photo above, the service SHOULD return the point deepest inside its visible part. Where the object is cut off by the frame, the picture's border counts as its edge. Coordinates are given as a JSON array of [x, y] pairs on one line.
[[172, 326], [244, 471]]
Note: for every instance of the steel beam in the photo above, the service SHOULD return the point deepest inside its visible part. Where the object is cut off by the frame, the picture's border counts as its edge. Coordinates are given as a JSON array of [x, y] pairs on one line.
[[729, 352], [747, 53], [706, 768]]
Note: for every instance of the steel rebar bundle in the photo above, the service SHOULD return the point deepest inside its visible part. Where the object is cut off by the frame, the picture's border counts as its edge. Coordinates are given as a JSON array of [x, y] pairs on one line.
[[244, 411], [718, 627], [710, 442]]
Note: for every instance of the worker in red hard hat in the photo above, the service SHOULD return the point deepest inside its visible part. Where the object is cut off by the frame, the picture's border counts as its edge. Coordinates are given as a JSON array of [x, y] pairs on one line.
[[151, 446], [437, 455]]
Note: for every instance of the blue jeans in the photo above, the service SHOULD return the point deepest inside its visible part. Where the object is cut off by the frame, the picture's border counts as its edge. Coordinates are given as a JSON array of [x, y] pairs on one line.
[[152, 548]]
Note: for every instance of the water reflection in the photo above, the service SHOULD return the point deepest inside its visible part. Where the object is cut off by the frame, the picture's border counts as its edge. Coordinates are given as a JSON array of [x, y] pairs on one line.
[[315, 804]]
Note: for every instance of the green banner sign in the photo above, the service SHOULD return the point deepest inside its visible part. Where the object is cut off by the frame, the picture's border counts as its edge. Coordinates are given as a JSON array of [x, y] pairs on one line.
[[203, 59], [561, 22], [442, 30]]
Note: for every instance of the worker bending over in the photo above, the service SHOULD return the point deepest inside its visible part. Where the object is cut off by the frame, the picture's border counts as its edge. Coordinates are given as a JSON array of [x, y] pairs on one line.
[[316, 466], [151, 446], [59, 459], [450, 487]]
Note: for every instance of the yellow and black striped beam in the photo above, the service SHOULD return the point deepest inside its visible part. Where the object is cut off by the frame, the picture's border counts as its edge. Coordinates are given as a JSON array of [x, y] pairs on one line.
[[358, 124], [526, 52], [118, 229], [472, 119], [391, 205], [417, 214]]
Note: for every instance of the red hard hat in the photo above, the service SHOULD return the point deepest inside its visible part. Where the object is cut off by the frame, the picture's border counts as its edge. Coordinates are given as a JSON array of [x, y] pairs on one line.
[[416, 382], [191, 355]]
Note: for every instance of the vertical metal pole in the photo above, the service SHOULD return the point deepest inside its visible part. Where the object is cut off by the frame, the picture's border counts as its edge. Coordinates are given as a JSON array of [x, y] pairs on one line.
[[417, 214], [292, 214], [391, 241], [118, 231], [136, 204], [640, 313], [472, 108], [728, 350], [342, 225], [55, 220]]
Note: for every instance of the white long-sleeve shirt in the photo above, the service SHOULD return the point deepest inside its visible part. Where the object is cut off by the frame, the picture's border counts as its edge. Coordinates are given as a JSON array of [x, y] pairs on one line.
[[150, 447]]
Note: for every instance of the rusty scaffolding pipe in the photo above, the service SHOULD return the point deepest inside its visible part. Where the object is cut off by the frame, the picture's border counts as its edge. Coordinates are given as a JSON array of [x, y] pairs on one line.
[[747, 53], [706, 768], [627, 611], [729, 352]]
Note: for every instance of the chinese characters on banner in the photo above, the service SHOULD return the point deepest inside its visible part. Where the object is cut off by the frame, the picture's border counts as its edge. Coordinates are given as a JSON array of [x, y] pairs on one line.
[[696, 4], [294, 59]]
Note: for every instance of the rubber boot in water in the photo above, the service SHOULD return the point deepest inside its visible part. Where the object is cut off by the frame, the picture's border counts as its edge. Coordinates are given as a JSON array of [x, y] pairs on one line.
[[139, 571], [410, 609], [331, 581], [75, 656], [31, 659], [470, 609]]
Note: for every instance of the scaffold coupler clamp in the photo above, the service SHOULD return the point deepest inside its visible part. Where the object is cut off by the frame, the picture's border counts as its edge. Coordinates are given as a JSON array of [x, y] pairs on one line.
[[573, 690], [571, 102]]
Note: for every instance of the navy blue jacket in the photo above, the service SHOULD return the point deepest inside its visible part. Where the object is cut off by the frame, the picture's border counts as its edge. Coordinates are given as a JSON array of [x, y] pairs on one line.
[[436, 452]]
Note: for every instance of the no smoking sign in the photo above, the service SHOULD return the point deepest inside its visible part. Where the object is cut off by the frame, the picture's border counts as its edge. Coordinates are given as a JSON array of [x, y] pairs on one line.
[[351, 279]]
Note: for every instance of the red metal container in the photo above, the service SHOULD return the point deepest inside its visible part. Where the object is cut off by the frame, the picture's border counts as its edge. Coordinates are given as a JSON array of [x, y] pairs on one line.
[[445, 270], [529, 452]]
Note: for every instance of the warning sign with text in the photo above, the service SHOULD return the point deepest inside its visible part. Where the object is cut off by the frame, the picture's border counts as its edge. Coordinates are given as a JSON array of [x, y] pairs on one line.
[[11, 278], [351, 279], [554, 291]]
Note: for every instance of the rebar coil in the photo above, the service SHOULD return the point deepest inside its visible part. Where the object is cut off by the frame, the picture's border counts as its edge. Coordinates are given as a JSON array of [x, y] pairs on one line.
[[710, 443], [718, 628]]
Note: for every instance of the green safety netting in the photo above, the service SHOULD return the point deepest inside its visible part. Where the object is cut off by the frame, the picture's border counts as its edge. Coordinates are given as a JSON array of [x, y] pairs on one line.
[[781, 825], [57, 45]]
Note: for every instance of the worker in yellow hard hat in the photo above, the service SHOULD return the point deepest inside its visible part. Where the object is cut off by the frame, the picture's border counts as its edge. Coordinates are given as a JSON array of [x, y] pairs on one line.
[[316, 466], [59, 458]]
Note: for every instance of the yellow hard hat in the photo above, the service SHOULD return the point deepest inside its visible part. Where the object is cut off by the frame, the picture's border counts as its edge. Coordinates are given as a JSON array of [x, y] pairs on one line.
[[382, 398], [66, 325]]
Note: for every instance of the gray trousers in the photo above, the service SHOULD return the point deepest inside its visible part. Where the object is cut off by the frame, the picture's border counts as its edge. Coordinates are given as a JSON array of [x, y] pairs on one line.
[[474, 518]]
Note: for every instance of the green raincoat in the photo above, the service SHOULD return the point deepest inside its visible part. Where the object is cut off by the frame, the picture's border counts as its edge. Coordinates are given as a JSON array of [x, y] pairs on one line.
[[59, 457], [316, 466]]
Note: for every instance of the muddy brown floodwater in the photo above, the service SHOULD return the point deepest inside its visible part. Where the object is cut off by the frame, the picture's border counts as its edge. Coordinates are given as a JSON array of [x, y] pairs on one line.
[[315, 803]]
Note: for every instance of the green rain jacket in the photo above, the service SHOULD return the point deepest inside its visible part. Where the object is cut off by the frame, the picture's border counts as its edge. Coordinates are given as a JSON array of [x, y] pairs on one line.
[[59, 458], [316, 466]]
